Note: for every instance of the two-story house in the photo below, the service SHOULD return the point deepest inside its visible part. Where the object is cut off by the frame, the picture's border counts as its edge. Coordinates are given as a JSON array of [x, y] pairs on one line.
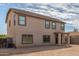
[[31, 29]]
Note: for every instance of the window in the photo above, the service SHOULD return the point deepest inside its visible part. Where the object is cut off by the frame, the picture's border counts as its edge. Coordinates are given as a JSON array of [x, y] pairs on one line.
[[14, 16], [62, 26], [27, 39], [22, 20], [47, 24], [53, 25], [46, 38], [9, 23]]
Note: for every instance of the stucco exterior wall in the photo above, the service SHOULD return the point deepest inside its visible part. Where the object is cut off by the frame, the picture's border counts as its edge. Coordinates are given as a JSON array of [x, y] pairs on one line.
[[34, 26], [10, 30]]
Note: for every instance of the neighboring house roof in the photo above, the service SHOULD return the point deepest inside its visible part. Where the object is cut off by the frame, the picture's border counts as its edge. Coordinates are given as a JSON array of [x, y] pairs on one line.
[[29, 13], [74, 33]]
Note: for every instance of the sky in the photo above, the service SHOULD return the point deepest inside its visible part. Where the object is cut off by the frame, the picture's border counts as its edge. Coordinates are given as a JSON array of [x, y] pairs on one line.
[[67, 12]]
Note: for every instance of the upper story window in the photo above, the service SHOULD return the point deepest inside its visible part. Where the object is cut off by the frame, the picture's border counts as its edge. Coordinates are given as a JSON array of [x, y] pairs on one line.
[[62, 26], [53, 25], [9, 23], [14, 16], [47, 24], [22, 20]]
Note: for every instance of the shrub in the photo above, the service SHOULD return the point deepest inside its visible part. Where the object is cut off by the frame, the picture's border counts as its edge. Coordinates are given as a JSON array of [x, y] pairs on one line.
[[11, 45]]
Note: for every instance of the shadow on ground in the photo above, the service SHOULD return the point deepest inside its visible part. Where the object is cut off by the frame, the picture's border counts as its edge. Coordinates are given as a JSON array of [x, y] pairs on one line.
[[14, 51]]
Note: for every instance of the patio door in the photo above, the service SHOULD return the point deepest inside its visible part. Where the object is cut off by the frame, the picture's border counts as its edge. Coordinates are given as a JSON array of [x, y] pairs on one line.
[[56, 38]]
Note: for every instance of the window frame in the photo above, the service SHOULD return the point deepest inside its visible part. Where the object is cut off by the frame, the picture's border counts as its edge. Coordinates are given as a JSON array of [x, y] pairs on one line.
[[49, 40], [53, 25], [9, 22], [14, 18], [27, 35], [45, 24], [19, 20], [63, 27]]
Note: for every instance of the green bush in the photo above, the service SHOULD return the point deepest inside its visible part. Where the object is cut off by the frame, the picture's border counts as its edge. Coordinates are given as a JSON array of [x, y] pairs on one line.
[[3, 36], [11, 45]]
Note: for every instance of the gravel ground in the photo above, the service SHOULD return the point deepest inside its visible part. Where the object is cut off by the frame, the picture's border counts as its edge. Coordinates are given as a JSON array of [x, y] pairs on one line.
[[73, 50]]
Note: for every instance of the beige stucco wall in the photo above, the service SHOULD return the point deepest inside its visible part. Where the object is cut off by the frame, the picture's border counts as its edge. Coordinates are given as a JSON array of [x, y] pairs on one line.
[[34, 26], [10, 30]]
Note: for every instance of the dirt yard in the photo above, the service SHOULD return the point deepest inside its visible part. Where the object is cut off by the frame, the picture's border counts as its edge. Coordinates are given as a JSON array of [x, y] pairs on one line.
[[73, 50]]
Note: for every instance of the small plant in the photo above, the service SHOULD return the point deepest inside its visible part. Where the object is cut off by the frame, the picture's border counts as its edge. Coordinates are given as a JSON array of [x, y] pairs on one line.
[[11, 45]]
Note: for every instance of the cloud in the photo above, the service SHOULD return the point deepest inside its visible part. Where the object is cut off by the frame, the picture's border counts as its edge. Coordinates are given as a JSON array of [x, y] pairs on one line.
[[68, 11], [2, 4]]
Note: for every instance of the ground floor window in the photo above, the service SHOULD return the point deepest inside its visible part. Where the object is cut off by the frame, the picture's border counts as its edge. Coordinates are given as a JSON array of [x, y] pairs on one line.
[[46, 38], [27, 39]]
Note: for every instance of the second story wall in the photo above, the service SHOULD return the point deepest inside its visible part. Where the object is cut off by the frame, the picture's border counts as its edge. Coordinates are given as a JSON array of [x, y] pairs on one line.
[[34, 24], [10, 25]]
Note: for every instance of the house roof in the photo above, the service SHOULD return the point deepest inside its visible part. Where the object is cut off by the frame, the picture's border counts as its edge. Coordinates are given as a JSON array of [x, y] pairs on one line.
[[29, 13], [74, 33]]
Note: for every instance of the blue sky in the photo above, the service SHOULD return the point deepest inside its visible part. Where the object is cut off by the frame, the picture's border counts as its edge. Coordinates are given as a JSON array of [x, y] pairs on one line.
[[3, 11], [68, 13]]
